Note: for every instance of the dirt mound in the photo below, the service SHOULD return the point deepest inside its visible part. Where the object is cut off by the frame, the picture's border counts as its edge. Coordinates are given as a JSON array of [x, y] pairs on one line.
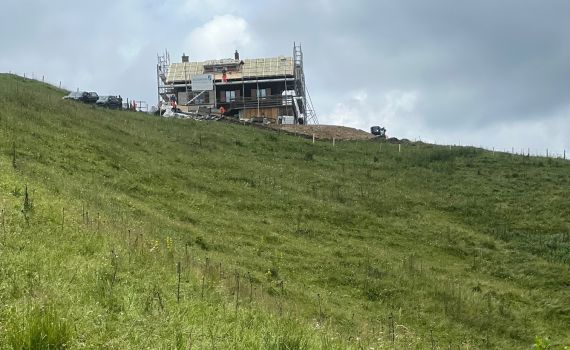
[[326, 131]]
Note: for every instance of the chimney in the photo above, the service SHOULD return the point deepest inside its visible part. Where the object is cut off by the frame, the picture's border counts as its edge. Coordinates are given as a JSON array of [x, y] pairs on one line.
[[185, 58], [236, 55]]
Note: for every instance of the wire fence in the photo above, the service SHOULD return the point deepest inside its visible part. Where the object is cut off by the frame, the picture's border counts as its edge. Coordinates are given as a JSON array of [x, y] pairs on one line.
[[128, 104], [142, 106], [518, 151], [530, 152], [41, 78]]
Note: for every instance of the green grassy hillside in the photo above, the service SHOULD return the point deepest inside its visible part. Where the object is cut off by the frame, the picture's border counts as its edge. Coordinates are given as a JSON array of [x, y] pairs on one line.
[[121, 230]]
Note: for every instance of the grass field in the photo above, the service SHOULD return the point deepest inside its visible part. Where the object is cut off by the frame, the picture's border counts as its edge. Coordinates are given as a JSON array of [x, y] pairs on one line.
[[121, 230]]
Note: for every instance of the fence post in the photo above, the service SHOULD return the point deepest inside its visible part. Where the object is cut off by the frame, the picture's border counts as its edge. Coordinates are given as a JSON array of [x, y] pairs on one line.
[[334, 141], [399, 147], [178, 270], [313, 138], [564, 154], [547, 153]]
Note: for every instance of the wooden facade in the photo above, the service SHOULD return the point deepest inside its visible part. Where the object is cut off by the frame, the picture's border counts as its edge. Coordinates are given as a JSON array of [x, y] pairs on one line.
[[248, 89], [270, 87]]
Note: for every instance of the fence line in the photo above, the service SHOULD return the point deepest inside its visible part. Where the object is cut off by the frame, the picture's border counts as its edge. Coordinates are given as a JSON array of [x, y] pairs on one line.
[[524, 151], [142, 106], [518, 151]]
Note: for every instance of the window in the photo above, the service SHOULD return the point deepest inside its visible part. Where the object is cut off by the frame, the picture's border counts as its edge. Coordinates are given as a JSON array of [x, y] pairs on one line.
[[261, 93], [197, 98], [230, 96], [202, 99]]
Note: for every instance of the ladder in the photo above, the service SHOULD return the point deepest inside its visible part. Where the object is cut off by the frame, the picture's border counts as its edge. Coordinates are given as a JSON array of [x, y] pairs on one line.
[[163, 64], [164, 90], [301, 86]]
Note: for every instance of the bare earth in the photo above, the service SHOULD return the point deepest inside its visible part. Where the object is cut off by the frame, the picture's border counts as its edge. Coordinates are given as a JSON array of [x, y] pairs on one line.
[[326, 131]]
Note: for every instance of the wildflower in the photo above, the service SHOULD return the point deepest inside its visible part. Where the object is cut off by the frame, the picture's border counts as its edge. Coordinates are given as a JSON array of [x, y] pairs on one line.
[[154, 245]]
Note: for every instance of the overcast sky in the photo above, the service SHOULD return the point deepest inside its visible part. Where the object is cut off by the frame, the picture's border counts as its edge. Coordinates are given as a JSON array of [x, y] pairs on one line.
[[491, 73]]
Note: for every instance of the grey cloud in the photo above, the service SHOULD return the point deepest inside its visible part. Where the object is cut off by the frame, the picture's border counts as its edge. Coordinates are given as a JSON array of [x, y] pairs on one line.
[[474, 64], [477, 65]]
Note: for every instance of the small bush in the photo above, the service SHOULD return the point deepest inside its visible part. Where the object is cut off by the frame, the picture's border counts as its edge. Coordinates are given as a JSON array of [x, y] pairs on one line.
[[373, 293], [272, 274], [200, 242]]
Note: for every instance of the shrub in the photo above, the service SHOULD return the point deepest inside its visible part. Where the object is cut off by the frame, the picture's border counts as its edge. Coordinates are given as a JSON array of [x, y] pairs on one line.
[[200, 242]]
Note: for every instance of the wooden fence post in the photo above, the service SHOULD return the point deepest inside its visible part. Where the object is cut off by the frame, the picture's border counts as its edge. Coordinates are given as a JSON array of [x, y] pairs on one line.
[[237, 290], [178, 286]]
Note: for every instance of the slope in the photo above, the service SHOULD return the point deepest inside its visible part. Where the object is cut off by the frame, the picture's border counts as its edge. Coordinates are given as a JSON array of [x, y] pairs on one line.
[[141, 232]]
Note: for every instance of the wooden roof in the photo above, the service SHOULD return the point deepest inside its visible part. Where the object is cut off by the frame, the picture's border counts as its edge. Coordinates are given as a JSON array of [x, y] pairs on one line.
[[277, 67]]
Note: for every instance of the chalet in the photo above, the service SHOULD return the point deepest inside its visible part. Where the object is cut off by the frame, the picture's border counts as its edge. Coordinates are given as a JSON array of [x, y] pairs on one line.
[[271, 90]]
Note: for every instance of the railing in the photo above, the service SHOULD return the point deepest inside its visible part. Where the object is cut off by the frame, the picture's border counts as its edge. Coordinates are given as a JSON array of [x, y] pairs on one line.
[[141, 106], [261, 102]]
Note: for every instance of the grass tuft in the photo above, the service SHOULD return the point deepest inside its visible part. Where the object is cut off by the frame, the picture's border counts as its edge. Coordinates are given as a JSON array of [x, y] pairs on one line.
[[40, 328]]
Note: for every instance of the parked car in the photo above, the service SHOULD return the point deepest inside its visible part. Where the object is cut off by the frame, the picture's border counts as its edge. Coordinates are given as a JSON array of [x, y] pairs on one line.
[[92, 97], [77, 96], [83, 96], [113, 102]]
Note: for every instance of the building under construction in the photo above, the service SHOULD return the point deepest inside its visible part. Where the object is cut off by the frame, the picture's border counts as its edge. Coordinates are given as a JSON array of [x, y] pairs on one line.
[[271, 90]]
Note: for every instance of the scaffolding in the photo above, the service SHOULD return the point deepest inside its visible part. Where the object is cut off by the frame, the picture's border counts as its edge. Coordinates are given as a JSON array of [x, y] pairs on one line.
[[301, 87], [164, 88], [175, 78]]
